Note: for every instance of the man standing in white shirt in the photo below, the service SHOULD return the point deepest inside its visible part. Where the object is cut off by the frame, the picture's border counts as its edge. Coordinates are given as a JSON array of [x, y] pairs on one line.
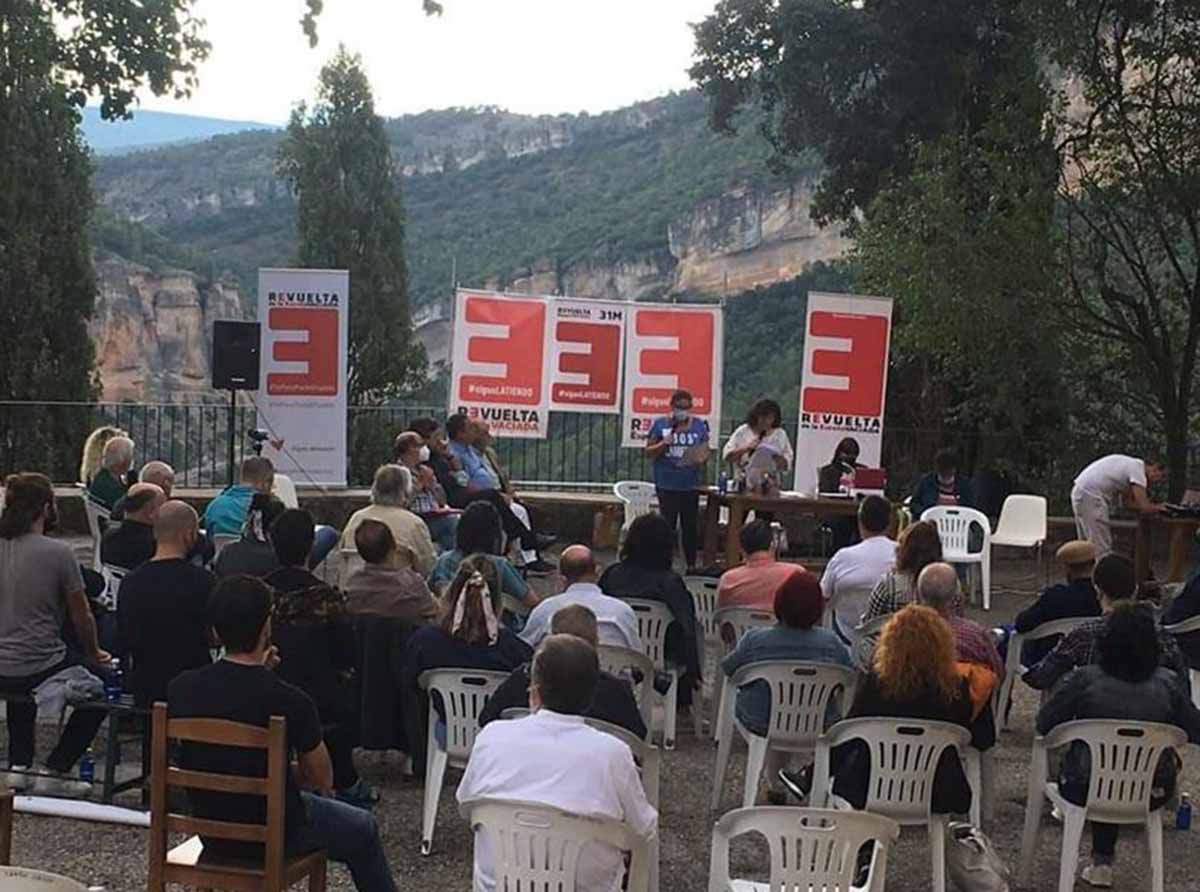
[[616, 619], [1105, 481], [852, 572], [562, 763]]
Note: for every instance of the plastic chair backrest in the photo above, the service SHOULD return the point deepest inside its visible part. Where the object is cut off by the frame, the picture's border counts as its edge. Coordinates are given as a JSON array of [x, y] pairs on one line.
[[637, 497], [800, 692], [535, 848], [285, 490], [95, 513], [1023, 519], [1056, 627], [741, 620], [954, 528], [620, 661], [220, 540], [870, 629], [112, 585], [904, 760], [704, 597], [810, 848], [653, 618], [1183, 627], [463, 694], [25, 879], [1124, 758], [352, 562]]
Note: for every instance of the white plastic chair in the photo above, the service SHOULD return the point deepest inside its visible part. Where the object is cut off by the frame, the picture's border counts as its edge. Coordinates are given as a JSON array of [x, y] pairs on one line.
[[463, 693], [704, 597], [25, 879], [623, 662], [862, 640], [1124, 758], [113, 576], [739, 620], [1022, 522], [653, 618], [351, 563], [638, 498], [1182, 628], [285, 490], [800, 692], [220, 540], [95, 513], [536, 847], [954, 529], [811, 848], [979, 766], [1012, 660], [904, 760]]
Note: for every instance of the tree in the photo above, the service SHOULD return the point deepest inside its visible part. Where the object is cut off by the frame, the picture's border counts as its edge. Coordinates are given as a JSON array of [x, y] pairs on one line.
[[336, 160]]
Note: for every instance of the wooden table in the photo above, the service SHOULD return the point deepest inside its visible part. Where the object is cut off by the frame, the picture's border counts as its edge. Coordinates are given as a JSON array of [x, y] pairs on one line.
[[740, 504], [1180, 531]]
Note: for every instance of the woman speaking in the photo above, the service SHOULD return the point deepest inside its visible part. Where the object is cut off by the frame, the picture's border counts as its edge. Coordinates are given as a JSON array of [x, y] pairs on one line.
[[678, 444]]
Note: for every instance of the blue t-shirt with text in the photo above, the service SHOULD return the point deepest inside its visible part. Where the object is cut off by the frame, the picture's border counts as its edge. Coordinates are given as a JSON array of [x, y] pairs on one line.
[[669, 470]]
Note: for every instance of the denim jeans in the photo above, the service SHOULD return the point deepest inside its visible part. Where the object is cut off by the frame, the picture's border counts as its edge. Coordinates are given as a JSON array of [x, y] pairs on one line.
[[442, 529], [325, 540], [349, 835], [75, 738]]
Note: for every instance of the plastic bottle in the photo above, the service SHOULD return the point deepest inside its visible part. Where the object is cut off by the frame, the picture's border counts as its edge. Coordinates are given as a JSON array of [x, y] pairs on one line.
[[87, 767], [1183, 814], [114, 682]]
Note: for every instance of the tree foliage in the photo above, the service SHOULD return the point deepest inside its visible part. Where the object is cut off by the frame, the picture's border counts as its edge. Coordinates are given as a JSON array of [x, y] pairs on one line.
[[349, 216]]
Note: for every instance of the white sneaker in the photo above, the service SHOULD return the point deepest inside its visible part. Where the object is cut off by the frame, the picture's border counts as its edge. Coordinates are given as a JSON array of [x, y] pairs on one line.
[[60, 784], [1098, 875], [16, 779]]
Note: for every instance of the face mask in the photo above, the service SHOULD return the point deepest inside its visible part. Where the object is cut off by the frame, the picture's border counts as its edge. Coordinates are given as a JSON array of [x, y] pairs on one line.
[[423, 455], [679, 414]]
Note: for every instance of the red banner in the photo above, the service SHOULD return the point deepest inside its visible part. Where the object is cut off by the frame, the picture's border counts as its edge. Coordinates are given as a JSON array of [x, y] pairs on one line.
[[587, 346]]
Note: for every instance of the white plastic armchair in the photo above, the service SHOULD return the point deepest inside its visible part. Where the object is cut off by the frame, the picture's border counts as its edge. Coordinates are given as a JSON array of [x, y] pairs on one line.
[[637, 496], [904, 755], [810, 848], [624, 662], [1124, 756], [351, 563], [704, 596], [1183, 627], [463, 693], [113, 577], [800, 693], [1012, 660], [954, 529], [737, 621], [1022, 522], [536, 847], [285, 490], [653, 619], [220, 540], [95, 514]]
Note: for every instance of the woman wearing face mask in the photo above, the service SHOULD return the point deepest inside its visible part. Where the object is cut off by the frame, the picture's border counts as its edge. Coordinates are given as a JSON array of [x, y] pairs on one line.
[[678, 444]]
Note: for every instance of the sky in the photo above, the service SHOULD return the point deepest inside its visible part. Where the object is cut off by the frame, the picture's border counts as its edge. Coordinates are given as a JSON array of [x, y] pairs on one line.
[[529, 56]]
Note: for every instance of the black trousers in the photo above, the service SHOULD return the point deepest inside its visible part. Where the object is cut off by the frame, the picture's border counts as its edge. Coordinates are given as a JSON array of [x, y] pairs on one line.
[[76, 736], [682, 506], [513, 528]]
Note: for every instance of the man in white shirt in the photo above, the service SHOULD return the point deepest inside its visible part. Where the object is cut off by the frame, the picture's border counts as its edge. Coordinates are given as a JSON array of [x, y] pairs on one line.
[[1105, 481], [852, 572], [616, 619], [562, 763]]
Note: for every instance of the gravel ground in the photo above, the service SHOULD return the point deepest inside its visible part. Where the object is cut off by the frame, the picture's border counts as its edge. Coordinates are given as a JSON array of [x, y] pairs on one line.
[[115, 858]]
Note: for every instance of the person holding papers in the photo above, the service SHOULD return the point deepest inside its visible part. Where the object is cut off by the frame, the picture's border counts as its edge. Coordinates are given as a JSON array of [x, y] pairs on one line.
[[678, 444], [760, 440]]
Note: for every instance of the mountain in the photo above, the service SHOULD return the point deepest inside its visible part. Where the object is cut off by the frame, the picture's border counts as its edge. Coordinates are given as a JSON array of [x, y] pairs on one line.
[[641, 203], [148, 129]]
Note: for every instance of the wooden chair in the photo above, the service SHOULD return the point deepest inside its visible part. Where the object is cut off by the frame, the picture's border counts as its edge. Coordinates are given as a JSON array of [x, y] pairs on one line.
[[186, 864], [6, 826]]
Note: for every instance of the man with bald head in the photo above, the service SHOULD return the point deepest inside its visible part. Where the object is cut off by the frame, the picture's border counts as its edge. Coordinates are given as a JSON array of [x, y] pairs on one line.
[[130, 543], [162, 612], [937, 587], [616, 620]]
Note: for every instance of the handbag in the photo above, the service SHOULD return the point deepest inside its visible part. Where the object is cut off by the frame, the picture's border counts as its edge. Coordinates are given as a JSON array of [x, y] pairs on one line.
[[972, 862]]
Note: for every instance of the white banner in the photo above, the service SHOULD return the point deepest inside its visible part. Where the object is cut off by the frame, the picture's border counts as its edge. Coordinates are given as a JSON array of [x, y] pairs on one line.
[[499, 362], [843, 385], [587, 351], [305, 319], [671, 347]]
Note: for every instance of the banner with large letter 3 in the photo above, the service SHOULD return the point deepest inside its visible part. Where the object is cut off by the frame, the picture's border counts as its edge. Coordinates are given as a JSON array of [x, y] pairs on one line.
[[587, 351], [671, 347], [305, 320], [843, 384]]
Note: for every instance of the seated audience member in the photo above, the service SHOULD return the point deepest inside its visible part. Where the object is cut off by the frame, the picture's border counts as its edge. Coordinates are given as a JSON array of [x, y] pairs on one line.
[[755, 582], [317, 648], [797, 635], [479, 533], [553, 758], [93, 452], [1185, 606], [1074, 597], [483, 484], [243, 688], [110, 482], [389, 495], [163, 610], [226, 514], [1115, 584], [913, 676], [159, 473], [644, 571], [447, 469], [428, 498], [384, 585], [40, 588], [616, 620], [481, 442], [613, 702], [919, 546], [253, 554], [943, 486], [130, 543], [763, 427], [1127, 682], [853, 572]]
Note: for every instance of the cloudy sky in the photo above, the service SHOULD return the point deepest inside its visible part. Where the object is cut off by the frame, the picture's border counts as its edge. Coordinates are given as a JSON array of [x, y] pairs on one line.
[[530, 56]]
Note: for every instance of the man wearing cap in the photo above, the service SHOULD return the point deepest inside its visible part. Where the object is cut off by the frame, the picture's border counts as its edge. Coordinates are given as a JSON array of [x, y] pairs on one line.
[[1104, 483], [1076, 596]]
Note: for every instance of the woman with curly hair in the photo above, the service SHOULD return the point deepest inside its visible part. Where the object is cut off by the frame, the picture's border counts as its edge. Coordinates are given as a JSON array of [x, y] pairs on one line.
[[913, 676], [919, 546]]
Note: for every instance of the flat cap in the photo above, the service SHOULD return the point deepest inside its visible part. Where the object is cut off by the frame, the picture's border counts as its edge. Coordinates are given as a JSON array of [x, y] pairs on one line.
[[1077, 551]]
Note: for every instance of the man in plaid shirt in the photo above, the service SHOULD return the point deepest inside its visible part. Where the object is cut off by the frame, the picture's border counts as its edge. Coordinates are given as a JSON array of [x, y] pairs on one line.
[[1114, 582]]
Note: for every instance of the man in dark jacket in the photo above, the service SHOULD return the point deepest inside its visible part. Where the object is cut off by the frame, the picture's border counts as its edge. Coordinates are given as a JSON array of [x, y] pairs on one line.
[[1074, 597], [944, 486]]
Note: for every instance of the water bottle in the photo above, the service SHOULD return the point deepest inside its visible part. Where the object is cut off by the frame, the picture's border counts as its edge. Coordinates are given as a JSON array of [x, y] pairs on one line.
[[114, 682], [723, 483], [1183, 814], [87, 767]]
